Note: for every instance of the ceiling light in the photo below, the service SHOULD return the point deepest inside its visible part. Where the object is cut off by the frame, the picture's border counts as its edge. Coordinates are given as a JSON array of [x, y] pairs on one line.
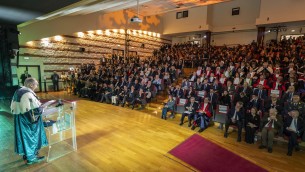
[[158, 35], [115, 30], [107, 32], [145, 32], [154, 34], [99, 32], [57, 38], [45, 39], [122, 31], [292, 30], [149, 33], [140, 31], [80, 34], [30, 43]]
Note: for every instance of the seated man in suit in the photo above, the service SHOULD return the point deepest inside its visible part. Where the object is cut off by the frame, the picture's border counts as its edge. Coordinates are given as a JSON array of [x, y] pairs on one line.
[[293, 128], [271, 125], [191, 107], [287, 97], [130, 99], [241, 97], [204, 113], [190, 93], [246, 89], [261, 93], [178, 92], [273, 102], [295, 104], [168, 106], [255, 102], [140, 98], [235, 116]]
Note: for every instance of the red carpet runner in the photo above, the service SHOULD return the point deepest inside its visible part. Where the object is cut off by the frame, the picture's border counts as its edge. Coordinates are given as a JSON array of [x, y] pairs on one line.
[[209, 157]]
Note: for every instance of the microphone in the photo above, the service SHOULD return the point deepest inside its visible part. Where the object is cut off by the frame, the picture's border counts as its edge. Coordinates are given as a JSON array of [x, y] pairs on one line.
[[59, 103]]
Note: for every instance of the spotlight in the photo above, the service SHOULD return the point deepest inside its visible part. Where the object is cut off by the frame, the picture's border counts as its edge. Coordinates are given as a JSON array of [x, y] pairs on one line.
[[80, 34], [99, 32]]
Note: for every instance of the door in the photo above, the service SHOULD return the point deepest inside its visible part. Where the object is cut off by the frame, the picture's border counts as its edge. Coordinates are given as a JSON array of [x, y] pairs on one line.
[[34, 71]]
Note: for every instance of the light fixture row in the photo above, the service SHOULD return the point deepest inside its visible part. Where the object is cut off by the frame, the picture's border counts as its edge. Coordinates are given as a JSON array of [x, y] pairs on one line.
[[107, 32], [121, 31]]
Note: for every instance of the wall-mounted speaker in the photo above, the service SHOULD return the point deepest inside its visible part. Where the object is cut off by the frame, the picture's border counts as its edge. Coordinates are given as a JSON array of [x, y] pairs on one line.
[[235, 11], [82, 49]]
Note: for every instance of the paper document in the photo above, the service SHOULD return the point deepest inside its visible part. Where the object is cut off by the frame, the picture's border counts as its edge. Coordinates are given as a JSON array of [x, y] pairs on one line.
[[48, 103], [49, 111]]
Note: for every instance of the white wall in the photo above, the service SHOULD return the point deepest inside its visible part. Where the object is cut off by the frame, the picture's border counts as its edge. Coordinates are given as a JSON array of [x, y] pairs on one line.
[[222, 19], [218, 19], [233, 38], [279, 11], [196, 21]]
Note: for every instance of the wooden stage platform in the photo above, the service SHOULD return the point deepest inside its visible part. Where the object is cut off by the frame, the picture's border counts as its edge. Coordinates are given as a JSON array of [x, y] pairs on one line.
[[112, 138]]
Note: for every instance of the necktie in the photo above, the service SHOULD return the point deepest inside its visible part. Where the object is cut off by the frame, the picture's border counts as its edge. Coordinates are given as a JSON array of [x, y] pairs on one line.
[[211, 97], [270, 124], [295, 123], [260, 93], [290, 96]]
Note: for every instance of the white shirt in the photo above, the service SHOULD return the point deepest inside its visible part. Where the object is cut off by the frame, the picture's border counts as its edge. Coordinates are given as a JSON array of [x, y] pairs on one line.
[[292, 125], [235, 115], [236, 81]]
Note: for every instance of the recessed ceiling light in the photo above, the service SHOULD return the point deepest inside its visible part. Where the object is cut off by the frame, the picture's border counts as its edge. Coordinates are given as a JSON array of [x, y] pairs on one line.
[[292, 30]]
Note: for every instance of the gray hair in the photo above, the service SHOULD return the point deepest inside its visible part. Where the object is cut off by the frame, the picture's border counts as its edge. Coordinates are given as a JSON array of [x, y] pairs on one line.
[[30, 81]]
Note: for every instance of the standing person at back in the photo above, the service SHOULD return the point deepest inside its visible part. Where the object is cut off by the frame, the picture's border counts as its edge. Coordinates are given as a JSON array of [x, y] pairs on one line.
[[55, 79], [24, 76]]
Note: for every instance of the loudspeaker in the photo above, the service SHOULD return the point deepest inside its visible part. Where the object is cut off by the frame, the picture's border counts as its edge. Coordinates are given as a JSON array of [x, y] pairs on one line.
[[12, 37], [235, 11], [82, 49]]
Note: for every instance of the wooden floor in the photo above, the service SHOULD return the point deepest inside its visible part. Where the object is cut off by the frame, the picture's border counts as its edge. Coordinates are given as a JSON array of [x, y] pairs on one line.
[[112, 138]]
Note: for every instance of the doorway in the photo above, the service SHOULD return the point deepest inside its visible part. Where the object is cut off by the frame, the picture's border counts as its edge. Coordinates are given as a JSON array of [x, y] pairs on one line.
[[33, 70]]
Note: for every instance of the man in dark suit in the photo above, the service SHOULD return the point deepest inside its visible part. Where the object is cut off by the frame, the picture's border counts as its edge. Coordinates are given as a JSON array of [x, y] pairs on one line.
[[295, 104], [205, 85], [287, 97], [191, 107], [273, 102], [217, 86], [131, 96], [178, 92], [293, 128], [235, 116], [213, 97], [55, 79], [256, 102], [271, 125], [246, 89], [24, 76], [260, 92], [241, 97]]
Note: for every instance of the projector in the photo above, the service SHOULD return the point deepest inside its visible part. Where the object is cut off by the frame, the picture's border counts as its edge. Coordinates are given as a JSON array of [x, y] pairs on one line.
[[135, 19]]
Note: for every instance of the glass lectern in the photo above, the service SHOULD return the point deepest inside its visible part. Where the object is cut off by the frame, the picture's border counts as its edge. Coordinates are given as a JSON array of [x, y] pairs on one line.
[[60, 128]]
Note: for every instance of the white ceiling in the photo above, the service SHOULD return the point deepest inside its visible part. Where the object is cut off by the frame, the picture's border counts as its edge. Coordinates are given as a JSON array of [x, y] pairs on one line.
[[146, 7]]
